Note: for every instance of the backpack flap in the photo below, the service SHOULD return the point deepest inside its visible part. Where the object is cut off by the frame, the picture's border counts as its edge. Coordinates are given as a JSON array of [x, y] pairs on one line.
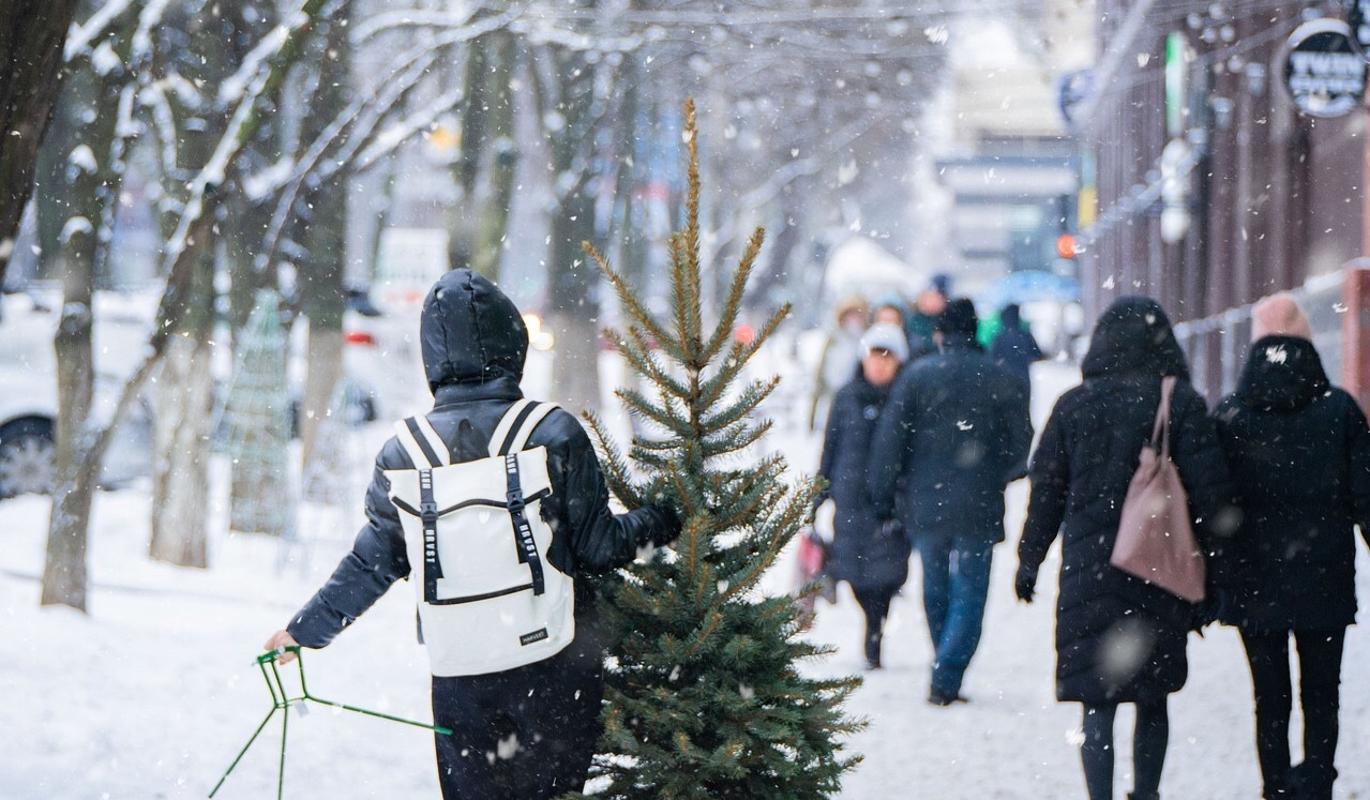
[[472, 483]]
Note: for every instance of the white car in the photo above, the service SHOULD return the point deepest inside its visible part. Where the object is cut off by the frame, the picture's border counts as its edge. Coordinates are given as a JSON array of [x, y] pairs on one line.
[[28, 393]]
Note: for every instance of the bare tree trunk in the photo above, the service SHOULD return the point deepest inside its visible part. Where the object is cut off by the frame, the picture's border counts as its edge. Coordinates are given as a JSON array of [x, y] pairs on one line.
[[64, 571], [91, 185], [325, 354], [474, 137], [495, 203], [574, 310], [180, 478], [32, 36], [325, 242]]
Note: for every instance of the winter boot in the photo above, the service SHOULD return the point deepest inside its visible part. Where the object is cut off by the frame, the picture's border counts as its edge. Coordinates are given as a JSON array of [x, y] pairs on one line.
[[943, 699], [1308, 782], [873, 641]]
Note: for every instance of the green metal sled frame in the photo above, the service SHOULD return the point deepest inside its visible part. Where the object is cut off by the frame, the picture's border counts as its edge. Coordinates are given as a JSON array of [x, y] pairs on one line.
[[282, 701]]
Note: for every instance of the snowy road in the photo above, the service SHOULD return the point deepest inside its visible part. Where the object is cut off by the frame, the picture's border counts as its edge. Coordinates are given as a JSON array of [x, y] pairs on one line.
[[152, 694]]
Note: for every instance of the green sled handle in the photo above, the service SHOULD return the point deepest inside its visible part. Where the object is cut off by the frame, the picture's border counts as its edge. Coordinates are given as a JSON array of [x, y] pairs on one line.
[[282, 701]]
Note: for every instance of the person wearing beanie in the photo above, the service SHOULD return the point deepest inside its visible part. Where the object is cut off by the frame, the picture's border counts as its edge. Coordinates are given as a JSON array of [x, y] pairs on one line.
[[1299, 452], [921, 321], [1014, 346], [869, 556], [474, 343], [953, 434]]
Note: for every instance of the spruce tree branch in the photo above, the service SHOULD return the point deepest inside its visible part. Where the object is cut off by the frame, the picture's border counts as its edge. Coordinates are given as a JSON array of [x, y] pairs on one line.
[[618, 476], [736, 292], [627, 298]]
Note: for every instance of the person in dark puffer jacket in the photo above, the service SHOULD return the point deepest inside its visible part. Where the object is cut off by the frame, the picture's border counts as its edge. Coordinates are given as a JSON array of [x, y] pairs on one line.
[[1299, 451], [954, 434], [526, 733], [873, 558], [1118, 639]]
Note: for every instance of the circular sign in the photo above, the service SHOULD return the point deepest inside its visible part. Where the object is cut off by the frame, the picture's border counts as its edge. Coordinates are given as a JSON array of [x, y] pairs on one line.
[[1323, 70], [1358, 17]]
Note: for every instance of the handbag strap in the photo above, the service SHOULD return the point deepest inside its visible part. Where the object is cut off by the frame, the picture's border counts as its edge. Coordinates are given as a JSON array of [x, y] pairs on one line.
[[1160, 430]]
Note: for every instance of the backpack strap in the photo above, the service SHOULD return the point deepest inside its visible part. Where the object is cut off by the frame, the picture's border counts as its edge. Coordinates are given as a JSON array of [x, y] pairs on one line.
[[523, 532], [428, 515], [518, 438], [416, 443], [507, 423]]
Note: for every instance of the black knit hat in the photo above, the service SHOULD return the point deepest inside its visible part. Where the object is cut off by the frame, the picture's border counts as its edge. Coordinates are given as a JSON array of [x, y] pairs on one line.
[[958, 317]]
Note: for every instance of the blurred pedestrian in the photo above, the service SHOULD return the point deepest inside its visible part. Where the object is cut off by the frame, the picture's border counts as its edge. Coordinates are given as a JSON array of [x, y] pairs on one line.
[[953, 434], [1014, 346], [921, 322], [841, 354], [871, 555], [1299, 452], [891, 311], [1118, 639]]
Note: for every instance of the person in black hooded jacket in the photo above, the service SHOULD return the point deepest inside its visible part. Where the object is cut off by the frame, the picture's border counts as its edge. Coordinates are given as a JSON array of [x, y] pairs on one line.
[[529, 732], [953, 434], [1118, 639], [1299, 451]]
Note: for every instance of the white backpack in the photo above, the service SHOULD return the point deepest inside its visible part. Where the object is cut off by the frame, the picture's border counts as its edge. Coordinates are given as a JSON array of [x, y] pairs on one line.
[[489, 600]]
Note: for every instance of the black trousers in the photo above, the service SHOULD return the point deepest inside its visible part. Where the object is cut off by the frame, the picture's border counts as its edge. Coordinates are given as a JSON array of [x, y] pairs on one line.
[[875, 604], [1320, 654], [1149, 744], [525, 734]]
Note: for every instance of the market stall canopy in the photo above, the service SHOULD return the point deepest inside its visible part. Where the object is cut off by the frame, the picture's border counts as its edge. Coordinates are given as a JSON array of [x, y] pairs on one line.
[[861, 266]]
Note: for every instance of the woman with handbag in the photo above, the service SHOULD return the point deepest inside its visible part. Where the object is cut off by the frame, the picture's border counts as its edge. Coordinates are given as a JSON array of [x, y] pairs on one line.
[[1299, 452], [870, 556], [1121, 638]]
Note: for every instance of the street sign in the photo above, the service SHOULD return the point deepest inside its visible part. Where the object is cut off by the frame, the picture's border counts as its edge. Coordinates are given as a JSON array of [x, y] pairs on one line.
[[1323, 69], [1358, 17]]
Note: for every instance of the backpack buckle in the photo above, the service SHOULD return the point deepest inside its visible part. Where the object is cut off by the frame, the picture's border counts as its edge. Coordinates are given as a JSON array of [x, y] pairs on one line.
[[515, 502], [428, 510]]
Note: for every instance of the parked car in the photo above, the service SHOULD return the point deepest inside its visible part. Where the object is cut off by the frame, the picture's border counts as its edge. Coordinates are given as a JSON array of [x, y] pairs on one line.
[[28, 381], [28, 394]]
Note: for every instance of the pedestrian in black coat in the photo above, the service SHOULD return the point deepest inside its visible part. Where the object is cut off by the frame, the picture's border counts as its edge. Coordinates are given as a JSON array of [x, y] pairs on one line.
[[1118, 639], [1014, 346], [527, 733], [954, 433], [870, 555], [1299, 452]]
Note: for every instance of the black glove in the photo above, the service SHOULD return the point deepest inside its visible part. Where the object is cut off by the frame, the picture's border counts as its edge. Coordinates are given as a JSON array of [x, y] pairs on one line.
[[1025, 584], [668, 527]]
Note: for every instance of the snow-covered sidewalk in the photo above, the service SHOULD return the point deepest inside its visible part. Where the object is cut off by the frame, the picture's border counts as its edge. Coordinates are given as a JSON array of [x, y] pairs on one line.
[[152, 693]]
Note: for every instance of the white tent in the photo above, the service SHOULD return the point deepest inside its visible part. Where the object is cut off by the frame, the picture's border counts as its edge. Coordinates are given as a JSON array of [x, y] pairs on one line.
[[860, 266]]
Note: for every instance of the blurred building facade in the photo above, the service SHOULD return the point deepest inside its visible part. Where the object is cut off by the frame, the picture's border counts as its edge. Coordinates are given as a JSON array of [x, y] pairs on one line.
[[1010, 164], [1205, 186]]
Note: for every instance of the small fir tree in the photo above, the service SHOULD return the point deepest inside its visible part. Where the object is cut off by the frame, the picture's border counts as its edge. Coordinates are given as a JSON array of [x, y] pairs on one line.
[[705, 697]]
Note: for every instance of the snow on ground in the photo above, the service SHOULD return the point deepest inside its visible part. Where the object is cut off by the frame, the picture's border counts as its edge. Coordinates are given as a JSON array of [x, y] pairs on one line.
[[152, 693]]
